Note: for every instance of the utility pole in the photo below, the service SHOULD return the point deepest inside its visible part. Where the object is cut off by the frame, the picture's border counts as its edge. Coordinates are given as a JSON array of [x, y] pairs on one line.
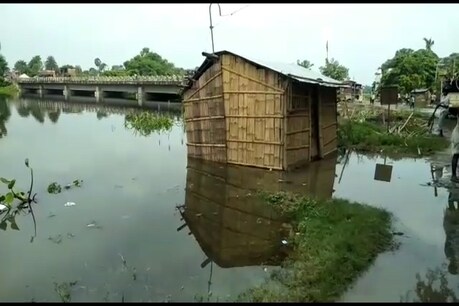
[[211, 25]]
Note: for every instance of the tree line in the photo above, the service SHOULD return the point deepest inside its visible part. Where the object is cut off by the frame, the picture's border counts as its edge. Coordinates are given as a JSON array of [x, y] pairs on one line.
[[408, 69], [145, 63]]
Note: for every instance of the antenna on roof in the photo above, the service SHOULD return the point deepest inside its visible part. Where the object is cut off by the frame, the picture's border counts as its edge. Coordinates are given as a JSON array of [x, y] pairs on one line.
[[211, 25]]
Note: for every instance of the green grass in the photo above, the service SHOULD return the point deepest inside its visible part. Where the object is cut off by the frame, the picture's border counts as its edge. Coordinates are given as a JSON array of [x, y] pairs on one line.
[[369, 136], [333, 242], [10, 90]]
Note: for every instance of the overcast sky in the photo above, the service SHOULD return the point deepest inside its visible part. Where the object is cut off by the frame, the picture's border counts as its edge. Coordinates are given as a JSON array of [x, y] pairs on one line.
[[361, 36]]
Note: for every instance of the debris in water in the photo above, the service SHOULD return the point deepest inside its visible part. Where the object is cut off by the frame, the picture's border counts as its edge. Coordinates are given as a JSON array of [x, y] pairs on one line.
[[265, 269], [397, 233], [51, 215], [3, 208], [70, 235], [259, 221], [284, 242], [69, 204], [123, 259], [181, 288], [134, 275], [56, 239], [93, 224], [198, 215]]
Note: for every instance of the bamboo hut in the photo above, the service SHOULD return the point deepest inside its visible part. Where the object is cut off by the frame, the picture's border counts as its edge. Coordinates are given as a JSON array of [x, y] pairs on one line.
[[232, 224], [421, 97], [248, 112]]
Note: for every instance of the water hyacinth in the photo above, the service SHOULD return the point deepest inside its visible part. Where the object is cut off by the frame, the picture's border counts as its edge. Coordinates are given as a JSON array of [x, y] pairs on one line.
[[146, 123]]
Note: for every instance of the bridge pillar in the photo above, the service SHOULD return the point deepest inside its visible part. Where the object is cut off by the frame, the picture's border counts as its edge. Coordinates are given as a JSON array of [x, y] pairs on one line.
[[41, 91], [99, 94], [140, 96], [66, 92]]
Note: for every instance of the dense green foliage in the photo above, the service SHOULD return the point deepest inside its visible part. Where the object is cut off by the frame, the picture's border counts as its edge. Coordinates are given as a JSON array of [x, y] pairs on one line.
[[51, 64], [334, 70]]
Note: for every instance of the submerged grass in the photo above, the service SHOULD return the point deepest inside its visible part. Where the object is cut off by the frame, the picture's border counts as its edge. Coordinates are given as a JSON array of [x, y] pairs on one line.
[[10, 90], [369, 136], [333, 242], [146, 123]]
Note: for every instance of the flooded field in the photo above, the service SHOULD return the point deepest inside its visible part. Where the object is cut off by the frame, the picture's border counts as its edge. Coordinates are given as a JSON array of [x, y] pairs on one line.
[[426, 217], [149, 224]]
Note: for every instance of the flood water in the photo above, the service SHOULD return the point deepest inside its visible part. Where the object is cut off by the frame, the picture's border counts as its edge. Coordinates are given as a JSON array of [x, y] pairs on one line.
[[131, 187], [149, 224]]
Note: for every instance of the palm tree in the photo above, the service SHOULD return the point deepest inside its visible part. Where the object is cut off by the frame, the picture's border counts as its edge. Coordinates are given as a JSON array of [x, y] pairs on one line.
[[429, 43]]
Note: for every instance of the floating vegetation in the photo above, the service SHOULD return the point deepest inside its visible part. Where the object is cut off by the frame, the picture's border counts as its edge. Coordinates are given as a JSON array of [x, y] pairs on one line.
[[56, 188], [9, 209], [64, 290], [146, 123]]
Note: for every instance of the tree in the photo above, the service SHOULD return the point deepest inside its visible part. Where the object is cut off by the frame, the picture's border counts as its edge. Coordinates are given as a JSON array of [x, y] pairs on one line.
[[3, 67], [21, 67], [305, 63], [35, 65], [334, 70], [5, 114], [97, 62], [150, 63], [54, 115], [78, 69], [449, 66], [410, 69], [429, 43], [50, 64]]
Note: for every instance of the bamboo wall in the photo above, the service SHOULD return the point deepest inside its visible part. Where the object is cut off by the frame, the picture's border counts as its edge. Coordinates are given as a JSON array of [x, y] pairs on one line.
[[328, 121], [233, 226], [298, 134], [204, 115], [242, 114], [254, 107]]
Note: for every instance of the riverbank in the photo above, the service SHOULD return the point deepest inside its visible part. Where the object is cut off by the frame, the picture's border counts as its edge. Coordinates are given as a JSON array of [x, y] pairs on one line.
[[366, 130], [332, 242], [9, 90]]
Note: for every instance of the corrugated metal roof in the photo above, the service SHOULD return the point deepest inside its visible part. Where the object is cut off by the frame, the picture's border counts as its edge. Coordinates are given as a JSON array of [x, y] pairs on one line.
[[293, 71]]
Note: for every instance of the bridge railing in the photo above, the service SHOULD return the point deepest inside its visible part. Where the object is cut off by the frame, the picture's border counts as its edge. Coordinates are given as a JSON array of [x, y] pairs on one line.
[[134, 80]]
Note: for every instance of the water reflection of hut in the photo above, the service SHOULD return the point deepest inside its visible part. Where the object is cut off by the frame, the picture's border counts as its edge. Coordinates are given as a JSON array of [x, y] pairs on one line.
[[233, 226]]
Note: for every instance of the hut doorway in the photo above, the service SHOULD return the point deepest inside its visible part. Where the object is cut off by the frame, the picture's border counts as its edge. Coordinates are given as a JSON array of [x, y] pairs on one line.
[[315, 147]]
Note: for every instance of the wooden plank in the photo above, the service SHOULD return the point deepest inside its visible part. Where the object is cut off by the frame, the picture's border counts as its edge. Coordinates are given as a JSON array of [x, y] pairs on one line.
[[256, 141], [310, 123], [254, 116], [254, 92], [298, 147], [206, 145], [329, 125], [319, 107], [254, 165], [298, 131], [202, 99], [205, 118]]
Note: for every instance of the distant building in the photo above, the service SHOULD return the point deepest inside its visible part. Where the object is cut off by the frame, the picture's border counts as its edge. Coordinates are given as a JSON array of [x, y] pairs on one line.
[[47, 74], [421, 97], [352, 92]]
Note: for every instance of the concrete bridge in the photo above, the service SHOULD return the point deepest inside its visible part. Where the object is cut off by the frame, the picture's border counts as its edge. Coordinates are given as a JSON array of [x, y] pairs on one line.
[[162, 88]]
